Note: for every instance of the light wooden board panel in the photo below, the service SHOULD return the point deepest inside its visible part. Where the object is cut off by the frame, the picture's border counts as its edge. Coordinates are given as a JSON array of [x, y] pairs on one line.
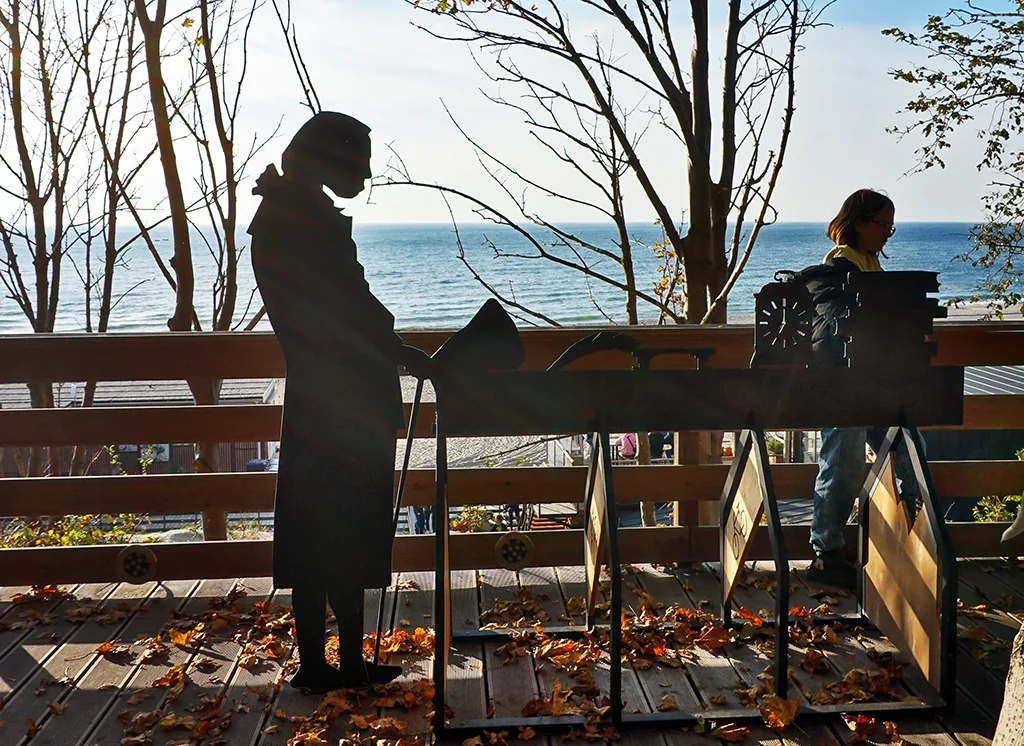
[[748, 505], [902, 581], [595, 542]]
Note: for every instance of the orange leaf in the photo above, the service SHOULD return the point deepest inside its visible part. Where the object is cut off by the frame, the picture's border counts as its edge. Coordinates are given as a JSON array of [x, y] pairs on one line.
[[778, 713], [862, 725], [184, 639], [361, 722], [713, 638], [114, 647]]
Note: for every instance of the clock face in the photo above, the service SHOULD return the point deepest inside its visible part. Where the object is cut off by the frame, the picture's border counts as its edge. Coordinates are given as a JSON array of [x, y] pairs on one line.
[[783, 321]]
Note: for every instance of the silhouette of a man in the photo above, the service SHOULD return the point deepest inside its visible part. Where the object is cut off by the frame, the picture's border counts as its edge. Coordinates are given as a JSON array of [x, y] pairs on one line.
[[342, 407]]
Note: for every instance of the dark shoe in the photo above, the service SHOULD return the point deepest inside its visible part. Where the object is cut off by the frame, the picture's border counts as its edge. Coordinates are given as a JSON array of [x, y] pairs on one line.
[[327, 678], [381, 673], [320, 679], [831, 568]]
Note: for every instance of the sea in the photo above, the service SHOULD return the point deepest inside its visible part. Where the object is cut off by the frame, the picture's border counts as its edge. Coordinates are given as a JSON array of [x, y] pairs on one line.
[[415, 270]]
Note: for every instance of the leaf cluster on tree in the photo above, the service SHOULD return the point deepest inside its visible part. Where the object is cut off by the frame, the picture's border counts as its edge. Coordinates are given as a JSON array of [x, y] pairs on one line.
[[974, 80]]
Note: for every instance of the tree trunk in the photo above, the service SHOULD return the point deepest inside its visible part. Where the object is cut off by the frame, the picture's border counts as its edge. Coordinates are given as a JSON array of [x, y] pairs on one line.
[[1010, 729], [203, 392]]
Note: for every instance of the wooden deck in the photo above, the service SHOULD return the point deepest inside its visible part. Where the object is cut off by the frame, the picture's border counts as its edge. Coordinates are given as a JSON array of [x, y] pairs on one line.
[[100, 666]]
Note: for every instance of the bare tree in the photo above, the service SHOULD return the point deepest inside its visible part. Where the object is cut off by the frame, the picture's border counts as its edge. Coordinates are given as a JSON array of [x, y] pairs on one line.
[[118, 152], [592, 107], [42, 129]]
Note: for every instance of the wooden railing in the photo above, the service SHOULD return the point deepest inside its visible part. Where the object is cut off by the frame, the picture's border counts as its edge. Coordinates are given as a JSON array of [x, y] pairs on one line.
[[252, 355]]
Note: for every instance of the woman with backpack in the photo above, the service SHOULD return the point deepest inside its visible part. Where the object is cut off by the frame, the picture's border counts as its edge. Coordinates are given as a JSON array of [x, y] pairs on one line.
[[860, 231]]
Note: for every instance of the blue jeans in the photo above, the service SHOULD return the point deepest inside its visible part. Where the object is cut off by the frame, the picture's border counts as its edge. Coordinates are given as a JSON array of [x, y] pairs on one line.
[[840, 478]]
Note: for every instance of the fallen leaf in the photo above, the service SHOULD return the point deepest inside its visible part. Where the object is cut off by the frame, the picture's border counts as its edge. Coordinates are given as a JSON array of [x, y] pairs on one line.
[[778, 713], [821, 697], [114, 648], [173, 720], [713, 638], [862, 726], [31, 728], [185, 639], [361, 722], [893, 733], [814, 662], [56, 707], [474, 741], [140, 696], [389, 728], [730, 732], [526, 734], [748, 695], [668, 703]]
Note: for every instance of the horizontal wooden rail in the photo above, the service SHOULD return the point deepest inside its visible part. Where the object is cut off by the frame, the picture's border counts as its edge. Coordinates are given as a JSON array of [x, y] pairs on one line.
[[240, 492], [214, 355], [225, 423], [232, 559], [238, 423]]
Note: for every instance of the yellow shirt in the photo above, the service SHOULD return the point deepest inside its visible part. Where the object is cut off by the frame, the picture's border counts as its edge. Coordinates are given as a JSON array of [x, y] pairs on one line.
[[865, 261]]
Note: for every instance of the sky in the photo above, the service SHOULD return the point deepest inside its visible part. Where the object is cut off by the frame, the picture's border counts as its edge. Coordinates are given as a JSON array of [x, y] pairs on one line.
[[366, 59]]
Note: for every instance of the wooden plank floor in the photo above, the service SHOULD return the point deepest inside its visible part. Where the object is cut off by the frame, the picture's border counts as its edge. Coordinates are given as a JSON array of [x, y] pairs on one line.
[[205, 662]]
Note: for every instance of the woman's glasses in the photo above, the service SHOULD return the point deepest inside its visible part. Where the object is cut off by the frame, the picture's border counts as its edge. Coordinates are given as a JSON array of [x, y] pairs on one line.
[[888, 226]]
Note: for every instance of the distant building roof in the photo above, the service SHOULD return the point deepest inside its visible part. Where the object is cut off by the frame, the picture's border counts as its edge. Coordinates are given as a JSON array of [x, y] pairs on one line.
[[996, 379], [140, 393]]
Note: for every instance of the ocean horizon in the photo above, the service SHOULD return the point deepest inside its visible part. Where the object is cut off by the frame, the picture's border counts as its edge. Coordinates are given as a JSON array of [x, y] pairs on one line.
[[414, 269]]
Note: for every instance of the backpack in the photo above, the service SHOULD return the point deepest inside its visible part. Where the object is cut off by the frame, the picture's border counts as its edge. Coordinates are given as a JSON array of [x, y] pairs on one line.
[[831, 301]]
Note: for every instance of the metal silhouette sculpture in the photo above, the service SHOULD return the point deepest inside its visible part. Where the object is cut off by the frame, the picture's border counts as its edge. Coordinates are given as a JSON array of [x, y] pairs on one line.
[[342, 406]]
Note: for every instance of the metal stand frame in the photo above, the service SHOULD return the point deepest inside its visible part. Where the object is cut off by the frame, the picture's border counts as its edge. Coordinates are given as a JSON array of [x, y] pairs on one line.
[[928, 401]]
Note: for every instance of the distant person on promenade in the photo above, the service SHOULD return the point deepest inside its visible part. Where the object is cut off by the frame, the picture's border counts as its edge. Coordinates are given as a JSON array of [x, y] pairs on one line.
[[860, 231], [424, 515], [342, 405], [659, 443], [626, 444]]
